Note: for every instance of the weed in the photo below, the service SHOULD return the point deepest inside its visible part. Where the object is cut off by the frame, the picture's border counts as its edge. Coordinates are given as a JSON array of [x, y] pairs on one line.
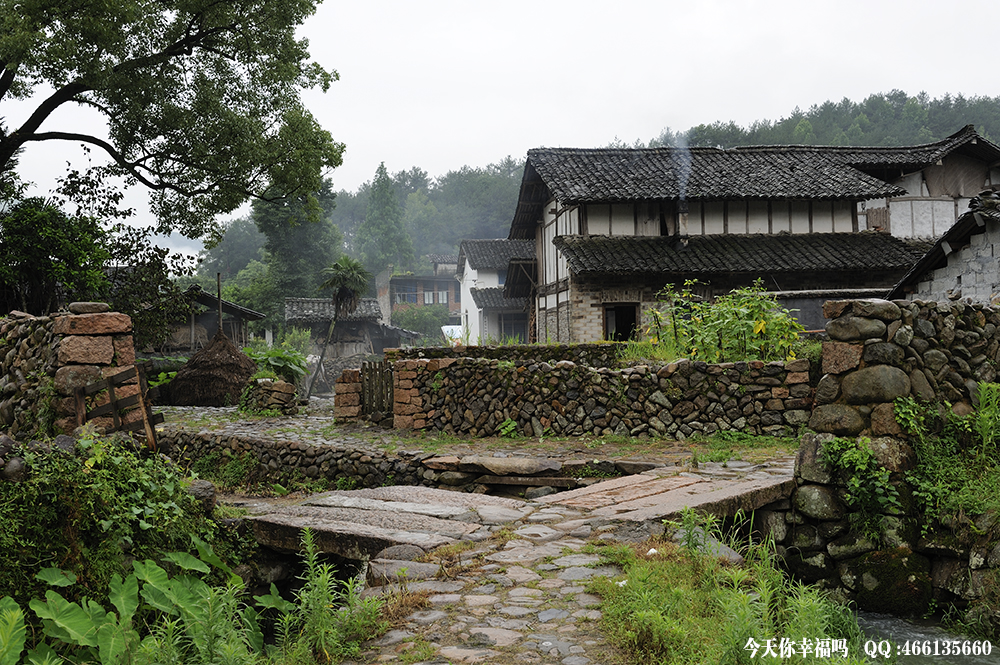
[[508, 429], [346, 483]]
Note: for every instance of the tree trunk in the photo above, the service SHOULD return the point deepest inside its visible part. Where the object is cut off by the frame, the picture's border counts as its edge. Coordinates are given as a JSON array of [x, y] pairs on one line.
[[322, 354]]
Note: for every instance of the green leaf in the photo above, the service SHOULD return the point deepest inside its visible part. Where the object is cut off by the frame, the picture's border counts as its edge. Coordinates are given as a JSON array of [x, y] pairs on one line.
[[43, 655], [157, 586], [207, 555], [274, 600], [124, 596], [187, 562], [12, 632], [56, 577], [64, 620], [113, 640]]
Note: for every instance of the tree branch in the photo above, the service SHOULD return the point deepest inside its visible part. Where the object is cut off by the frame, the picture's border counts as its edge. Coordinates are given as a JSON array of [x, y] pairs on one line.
[[7, 78], [133, 168]]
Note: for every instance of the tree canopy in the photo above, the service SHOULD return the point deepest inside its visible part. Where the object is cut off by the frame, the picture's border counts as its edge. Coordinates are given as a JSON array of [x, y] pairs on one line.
[[381, 238], [201, 98]]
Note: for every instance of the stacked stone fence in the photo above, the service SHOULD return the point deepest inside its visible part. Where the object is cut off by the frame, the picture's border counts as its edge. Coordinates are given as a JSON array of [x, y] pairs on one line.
[[475, 397], [598, 354], [880, 350], [45, 358]]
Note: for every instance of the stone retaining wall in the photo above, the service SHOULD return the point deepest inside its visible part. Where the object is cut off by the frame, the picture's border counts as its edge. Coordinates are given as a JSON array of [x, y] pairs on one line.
[[475, 397], [908, 564], [45, 358], [880, 350]]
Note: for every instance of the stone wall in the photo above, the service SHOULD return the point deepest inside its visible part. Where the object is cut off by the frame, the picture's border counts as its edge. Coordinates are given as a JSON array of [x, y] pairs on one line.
[[475, 396], [907, 564], [882, 350], [45, 358], [601, 354]]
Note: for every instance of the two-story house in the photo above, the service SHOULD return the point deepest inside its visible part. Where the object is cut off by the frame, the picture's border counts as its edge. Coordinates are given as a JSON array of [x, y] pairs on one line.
[[611, 227], [487, 314], [395, 292]]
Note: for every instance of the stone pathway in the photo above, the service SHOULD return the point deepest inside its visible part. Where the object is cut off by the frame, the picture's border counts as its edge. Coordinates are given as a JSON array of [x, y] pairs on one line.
[[520, 594]]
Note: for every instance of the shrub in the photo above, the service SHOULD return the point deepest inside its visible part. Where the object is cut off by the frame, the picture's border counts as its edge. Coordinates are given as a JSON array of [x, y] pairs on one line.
[[746, 324], [286, 362]]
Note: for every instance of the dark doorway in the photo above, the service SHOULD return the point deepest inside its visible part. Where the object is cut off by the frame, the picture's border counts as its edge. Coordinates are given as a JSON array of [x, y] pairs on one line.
[[620, 322]]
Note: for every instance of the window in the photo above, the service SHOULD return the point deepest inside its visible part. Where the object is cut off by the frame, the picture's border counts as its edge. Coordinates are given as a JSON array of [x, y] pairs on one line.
[[442, 297], [428, 297], [501, 277], [406, 293]]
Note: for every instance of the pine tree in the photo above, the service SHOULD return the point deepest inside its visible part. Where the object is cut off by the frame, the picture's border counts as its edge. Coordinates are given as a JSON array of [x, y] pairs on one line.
[[382, 240]]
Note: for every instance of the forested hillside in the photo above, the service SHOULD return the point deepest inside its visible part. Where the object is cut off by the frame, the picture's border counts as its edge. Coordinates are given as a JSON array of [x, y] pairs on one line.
[[260, 261]]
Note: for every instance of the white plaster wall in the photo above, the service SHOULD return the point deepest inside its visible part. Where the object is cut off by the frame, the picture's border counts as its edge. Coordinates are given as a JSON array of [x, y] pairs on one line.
[[800, 216], [757, 217], [622, 219], [822, 217], [599, 220], [714, 218], [780, 216], [737, 217], [843, 220]]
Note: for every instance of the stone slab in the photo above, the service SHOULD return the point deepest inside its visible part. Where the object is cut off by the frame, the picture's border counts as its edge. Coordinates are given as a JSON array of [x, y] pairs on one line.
[[345, 501], [527, 481], [418, 494], [720, 497], [349, 539], [618, 490]]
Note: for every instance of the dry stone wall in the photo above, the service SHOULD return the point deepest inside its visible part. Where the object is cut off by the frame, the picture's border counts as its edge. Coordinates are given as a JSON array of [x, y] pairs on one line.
[[904, 563], [881, 350], [475, 397], [45, 358]]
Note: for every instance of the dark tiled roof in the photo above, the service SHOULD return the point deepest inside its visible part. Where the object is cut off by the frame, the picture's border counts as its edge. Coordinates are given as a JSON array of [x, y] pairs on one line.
[[630, 255], [713, 174], [494, 253], [318, 310], [443, 258], [493, 298], [968, 224], [590, 176]]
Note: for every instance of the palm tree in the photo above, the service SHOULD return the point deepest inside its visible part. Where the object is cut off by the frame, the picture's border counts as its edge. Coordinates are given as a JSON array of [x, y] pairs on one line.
[[348, 279]]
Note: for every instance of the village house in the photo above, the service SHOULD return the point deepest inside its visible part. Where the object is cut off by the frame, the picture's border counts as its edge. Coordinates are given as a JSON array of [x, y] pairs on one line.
[[359, 333], [396, 292], [964, 263], [203, 321], [611, 227], [487, 314]]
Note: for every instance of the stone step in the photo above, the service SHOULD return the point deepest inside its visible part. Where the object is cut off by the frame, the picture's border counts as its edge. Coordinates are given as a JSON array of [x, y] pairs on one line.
[[527, 481]]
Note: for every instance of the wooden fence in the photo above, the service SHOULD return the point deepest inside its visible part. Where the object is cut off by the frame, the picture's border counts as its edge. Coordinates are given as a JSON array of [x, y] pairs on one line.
[[376, 387], [130, 413]]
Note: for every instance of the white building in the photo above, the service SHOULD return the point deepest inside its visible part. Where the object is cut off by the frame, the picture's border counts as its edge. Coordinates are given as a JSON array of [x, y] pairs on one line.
[[487, 316]]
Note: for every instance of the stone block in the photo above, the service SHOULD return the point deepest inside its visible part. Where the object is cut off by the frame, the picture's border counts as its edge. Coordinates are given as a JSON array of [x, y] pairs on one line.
[[838, 419], [402, 422], [71, 377], [347, 399], [346, 411], [107, 323], [839, 357], [124, 350], [851, 328], [797, 377], [881, 383], [883, 421], [82, 350], [401, 396]]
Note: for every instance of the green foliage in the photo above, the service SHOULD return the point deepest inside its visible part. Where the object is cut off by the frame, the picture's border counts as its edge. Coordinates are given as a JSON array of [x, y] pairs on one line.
[[297, 339], [958, 466], [426, 320], [869, 491], [240, 242], [347, 483], [205, 116], [508, 429], [746, 324], [381, 239], [86, 512], [159, 619], [161, 378], [680, 605], [883, 119], [43, 250], [227, 470], [285, 362]]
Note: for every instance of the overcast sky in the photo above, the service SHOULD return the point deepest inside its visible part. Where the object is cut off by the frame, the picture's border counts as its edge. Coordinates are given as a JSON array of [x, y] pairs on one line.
[[440, 84]]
